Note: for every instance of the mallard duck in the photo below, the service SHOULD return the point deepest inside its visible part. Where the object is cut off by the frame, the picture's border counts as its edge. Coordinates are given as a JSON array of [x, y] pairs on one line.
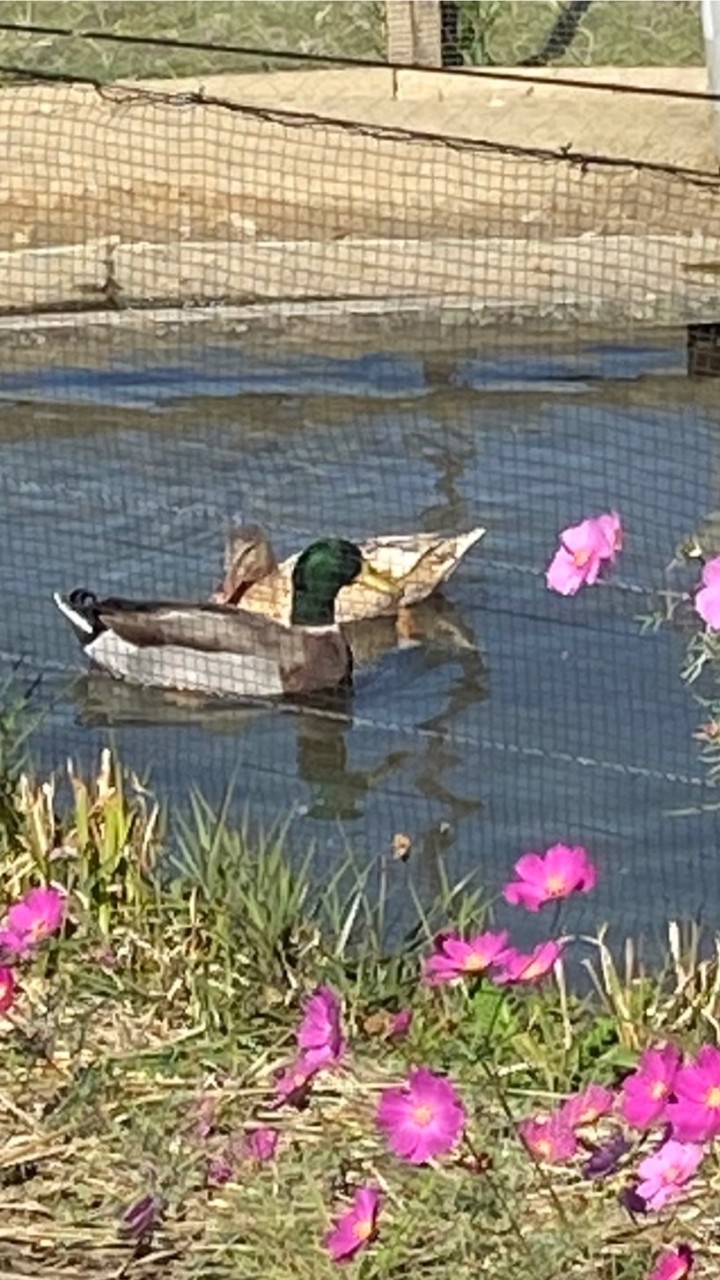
[[220, 649], [417, 563]]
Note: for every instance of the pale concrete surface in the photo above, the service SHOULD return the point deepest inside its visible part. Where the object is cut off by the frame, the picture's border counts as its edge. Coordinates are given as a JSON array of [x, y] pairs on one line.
[[597, 278], [77, 166]]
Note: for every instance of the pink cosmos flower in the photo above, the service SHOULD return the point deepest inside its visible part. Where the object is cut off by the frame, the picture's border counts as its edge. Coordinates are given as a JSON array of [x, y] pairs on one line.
[[260, 1144], [517, 966], [30, 921], [587, 1107], [8, 989], [356, 1228], [455, 958], [675, 1264], [294, 1082], [707, 600], [645, 1093], [400, 1024], [549, 1138], [546, 877], [695, 1111], [664, 1174], [583, 549], [423, 1118], [220, 1169], [320, 1035]]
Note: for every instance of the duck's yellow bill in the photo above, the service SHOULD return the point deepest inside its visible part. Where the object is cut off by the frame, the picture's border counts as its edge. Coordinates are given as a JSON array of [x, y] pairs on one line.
[[377, 579]]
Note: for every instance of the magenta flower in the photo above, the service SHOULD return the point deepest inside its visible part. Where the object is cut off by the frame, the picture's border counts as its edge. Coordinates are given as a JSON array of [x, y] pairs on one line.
[[260, 1144], [675, 1264], [30, 921], [549, 1138], [220, 1168], [542, 878], [143, 1218], [645, 1093], [517, 966], [707, 600], [320, 1035], [356, 1228], [587, 1106], [583, 549], [664, 1174], [694, 1112], [455, 958], [423, 1118], [400, 1024], [8, 989], [293, 1084]]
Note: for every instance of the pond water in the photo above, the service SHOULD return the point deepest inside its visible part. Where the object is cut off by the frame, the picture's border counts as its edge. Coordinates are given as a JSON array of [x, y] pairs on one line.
[[523, 719]]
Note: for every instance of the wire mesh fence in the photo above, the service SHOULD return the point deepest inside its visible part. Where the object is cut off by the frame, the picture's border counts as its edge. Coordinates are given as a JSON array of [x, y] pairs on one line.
[[224, 308]]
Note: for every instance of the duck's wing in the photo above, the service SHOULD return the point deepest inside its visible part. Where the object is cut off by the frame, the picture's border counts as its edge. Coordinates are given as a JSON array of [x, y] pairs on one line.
[[423, 554], [204, 627], [215, 649]]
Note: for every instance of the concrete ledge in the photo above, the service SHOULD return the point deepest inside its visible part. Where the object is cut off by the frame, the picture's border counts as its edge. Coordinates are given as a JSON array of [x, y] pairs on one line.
[[33, 279], [633, 277]]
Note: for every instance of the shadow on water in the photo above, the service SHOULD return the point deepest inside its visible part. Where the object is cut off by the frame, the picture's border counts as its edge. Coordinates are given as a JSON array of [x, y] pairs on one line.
[[508, 718], [320, 724]]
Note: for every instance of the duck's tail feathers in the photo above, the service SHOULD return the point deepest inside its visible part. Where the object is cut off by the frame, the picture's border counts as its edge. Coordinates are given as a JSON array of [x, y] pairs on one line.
[[80, 607], [467, 540]]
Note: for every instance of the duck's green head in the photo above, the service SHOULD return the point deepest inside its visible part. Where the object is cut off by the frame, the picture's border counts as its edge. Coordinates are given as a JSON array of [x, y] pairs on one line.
[[321, 571]]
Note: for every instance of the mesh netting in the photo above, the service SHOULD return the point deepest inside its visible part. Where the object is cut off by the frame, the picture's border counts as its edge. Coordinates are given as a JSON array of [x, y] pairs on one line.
[[223, 306]]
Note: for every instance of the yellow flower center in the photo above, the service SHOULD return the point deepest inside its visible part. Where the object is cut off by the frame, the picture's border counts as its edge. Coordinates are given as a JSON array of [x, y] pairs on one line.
[[474, 963], [555, 885], [673, 1173], [713, 1097], [589, 1115], [422, 1115], [543, 1146], [658, 1090], [363, 1229], [581, 557], [535, 969]]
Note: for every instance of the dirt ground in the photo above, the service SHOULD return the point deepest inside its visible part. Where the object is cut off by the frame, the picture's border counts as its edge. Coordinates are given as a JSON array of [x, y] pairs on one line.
[[76, 166]]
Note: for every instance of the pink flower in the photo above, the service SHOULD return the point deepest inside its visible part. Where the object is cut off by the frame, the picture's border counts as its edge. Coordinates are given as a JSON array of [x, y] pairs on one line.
[[220, 1169], [588, 1106], [674, 1265], [260, 1144], [423, 1118], [294, 1082], [8, 989], [456, 958], [664, 1174], [400, 1024], [645, 1093], [695, 1114], [560, 871], [549, 1138], [320, 1035], [31, 920], [583, 548], [356, 1228], [707, 600], [516, 966]]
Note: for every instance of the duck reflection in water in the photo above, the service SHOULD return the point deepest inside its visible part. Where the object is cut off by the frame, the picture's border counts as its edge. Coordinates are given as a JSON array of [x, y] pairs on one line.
[[337, 791]]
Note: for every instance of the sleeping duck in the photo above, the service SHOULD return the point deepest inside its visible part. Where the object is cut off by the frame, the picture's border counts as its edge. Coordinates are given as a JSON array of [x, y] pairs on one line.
[[416, 562], [222, 650]]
